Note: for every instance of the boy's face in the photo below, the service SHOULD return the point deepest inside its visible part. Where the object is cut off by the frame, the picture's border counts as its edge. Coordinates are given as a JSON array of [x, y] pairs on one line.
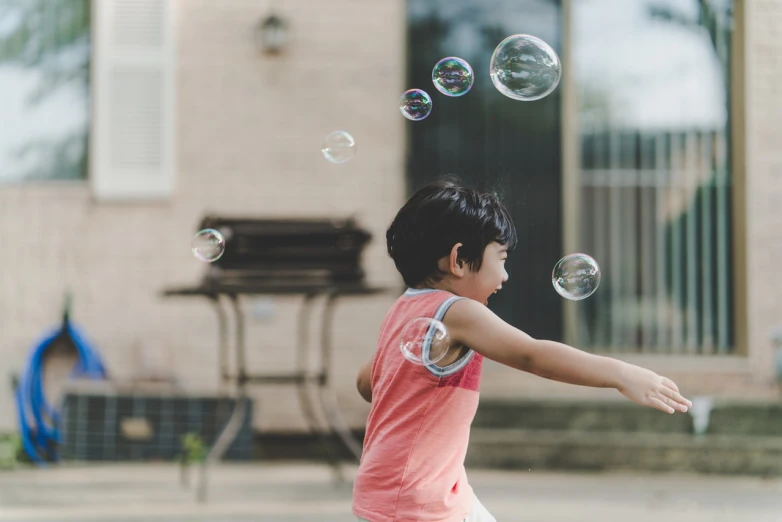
[[482, 284]]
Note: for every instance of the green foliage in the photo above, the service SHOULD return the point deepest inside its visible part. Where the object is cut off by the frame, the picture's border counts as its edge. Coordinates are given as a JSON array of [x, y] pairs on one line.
[[37, 29], [10, 451], [38, 34], [193, 449]]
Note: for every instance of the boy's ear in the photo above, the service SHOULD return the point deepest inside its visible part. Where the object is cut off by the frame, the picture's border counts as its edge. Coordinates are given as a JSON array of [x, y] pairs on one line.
[[456, 265]]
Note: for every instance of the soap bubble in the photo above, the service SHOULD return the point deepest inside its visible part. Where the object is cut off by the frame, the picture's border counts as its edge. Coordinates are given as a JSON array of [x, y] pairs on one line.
[[525, 68], [424, 340], [339, 147], [452, 76], [415, 104], [576, 276], [208, 245]]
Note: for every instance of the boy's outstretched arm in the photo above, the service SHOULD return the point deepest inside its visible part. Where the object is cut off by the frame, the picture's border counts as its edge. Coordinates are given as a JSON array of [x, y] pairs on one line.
[[363, 382], [474, 325]]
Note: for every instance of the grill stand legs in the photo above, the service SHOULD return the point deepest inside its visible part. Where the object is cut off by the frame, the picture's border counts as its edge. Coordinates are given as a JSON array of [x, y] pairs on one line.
[[327, 403]]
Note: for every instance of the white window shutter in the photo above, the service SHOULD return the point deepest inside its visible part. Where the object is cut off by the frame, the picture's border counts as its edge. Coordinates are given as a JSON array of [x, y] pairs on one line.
[[132, 140]]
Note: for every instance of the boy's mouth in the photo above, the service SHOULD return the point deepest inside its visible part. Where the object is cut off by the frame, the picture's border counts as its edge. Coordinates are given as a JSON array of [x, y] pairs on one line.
[[486, 302]]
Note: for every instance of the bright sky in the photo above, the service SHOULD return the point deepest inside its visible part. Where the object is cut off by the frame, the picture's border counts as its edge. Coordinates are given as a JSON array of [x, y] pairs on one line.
[[655, 74], [59, 114]]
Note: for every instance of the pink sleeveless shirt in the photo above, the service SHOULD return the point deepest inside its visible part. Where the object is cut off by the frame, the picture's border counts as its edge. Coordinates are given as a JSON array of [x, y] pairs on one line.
[[412, 467]]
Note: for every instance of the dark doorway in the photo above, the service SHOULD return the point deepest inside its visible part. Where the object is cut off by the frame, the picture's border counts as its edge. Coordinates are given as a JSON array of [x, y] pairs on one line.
[[493, 143]]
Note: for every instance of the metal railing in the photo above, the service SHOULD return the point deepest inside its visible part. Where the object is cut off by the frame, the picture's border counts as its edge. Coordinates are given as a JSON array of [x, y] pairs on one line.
[[655, 214]]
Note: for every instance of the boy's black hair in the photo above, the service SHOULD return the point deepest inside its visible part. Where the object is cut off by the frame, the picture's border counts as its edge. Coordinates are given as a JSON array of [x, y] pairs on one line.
[[438, 216]]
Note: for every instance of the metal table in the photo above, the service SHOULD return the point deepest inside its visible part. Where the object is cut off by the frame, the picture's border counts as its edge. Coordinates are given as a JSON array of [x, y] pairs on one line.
[[302, 377]]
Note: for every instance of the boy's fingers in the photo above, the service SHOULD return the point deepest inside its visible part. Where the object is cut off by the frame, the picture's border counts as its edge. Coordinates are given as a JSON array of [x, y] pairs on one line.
[[661, 405], [674, 392], [669, 383], [675, 396]]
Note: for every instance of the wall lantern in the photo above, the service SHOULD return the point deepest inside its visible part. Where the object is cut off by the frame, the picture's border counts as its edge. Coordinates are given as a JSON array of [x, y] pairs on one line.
[[271, 34]]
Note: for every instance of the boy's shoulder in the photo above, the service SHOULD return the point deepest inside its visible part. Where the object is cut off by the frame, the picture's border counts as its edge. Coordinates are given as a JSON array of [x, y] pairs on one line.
[[417, 304]]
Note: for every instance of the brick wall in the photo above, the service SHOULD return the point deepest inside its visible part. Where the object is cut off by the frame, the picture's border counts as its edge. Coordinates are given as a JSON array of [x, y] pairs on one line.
[[250, 130], [763, 178]]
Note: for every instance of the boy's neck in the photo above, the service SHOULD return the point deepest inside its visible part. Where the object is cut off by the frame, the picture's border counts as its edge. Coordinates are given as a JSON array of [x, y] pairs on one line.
[[443, 284]]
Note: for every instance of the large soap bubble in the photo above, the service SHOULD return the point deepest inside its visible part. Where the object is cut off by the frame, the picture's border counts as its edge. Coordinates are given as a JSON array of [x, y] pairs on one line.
[[525, 68], [576, 276]]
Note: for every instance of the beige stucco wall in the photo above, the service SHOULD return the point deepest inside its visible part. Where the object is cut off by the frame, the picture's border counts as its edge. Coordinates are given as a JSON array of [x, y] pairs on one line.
[[249, 134]]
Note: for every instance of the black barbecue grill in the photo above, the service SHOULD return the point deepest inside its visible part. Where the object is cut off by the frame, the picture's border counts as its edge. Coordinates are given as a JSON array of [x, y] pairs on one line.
[[307, 257], [292, 251]]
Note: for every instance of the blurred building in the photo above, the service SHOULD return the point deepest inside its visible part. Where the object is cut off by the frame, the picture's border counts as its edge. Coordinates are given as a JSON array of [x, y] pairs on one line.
[[124, 122]]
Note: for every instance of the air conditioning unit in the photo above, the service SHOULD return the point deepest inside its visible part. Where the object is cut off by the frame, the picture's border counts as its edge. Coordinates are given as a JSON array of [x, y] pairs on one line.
[[114, 425]]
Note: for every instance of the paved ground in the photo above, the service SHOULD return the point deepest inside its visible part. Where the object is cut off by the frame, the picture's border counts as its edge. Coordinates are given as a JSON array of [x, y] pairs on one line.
[[299, 493]]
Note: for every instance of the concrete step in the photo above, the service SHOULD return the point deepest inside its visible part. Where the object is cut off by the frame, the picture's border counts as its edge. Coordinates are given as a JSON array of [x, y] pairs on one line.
[[752, 418], [739, 437], [597, 451], [733, 436], [582, 416], [717, 417]]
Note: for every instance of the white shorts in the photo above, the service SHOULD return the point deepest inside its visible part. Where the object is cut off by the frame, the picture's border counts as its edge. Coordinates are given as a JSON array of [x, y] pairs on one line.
[[478, 513]]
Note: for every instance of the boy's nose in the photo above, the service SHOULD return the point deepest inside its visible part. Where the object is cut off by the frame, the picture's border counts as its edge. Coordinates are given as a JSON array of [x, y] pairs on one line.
[[504, 275]]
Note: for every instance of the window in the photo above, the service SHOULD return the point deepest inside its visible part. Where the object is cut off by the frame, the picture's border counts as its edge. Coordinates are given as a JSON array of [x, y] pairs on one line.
[[60, 61], [651, 79], [44, 85]]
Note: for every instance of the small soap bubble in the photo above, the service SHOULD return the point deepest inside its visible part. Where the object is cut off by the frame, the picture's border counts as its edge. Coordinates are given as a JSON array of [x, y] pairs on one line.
[[339, 147], [576, 276], [424, 340], [415, 104], [525, 68], [452, 76], [208, 245]]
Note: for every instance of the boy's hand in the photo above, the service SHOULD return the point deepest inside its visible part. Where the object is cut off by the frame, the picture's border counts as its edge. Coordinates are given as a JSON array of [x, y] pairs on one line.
[[646, 388]]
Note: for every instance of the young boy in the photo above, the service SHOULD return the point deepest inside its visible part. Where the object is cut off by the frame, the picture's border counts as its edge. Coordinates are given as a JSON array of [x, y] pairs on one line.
[[450, 244]]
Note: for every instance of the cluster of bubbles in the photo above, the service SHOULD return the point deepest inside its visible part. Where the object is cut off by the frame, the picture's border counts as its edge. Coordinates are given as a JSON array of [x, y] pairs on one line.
[[522, 67]]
